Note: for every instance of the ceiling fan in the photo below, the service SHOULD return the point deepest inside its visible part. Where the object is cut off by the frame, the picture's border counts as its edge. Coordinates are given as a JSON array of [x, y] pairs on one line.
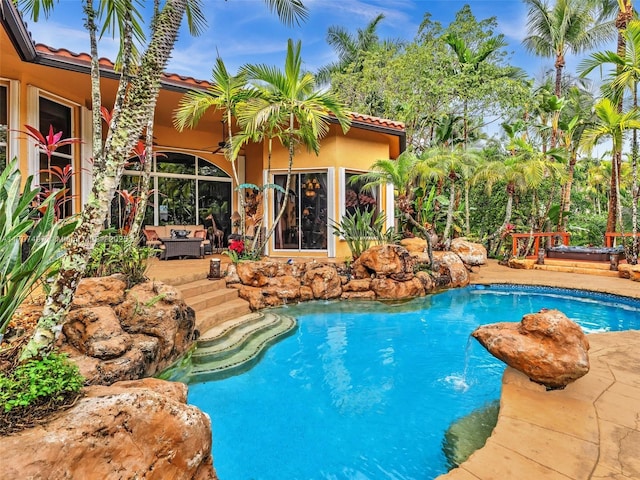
[[222, 145]]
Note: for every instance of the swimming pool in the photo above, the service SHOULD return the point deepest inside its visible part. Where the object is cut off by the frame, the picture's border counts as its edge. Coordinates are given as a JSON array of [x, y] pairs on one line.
[[365, 390]]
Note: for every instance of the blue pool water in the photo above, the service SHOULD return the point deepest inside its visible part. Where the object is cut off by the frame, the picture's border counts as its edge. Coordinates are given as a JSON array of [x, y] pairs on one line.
[[365, 390]]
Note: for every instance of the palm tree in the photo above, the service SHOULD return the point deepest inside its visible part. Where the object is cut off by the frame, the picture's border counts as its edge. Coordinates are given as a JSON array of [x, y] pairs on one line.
[[291, 98], [625, 77], [225, 94], [351, 49], [134, 104], [566, 27], [469, 62], [451, 166], [611, 125]]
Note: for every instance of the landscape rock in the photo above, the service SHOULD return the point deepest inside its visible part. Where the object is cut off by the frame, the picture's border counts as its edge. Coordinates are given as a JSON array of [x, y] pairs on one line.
[[96, 332], [256, 274], [414, 245], [148, 331], [521, 263], [449, 264], [471, 253], [389, 289], [324, 282], [93, 291], [140, 429], [387, 260], [546, 346]]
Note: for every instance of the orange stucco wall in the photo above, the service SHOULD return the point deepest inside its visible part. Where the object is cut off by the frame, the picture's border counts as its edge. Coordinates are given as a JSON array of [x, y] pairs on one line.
[[356, 150]]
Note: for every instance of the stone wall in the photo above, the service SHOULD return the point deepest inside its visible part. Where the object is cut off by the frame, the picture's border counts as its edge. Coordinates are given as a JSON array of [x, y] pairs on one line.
[[385, 272]]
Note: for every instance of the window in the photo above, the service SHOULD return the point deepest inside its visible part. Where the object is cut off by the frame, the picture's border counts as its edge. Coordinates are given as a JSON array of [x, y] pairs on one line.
[[55, 171], [4, 126], [356, 198], [185, 190]]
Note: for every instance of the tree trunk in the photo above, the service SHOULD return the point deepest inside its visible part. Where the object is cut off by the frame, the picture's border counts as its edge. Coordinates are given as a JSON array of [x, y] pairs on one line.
[[448, 226], [558, 92], [126, 126], [96, 99], [283, 207], [613, 193], [143, 187], [467, 212], [566, 193]]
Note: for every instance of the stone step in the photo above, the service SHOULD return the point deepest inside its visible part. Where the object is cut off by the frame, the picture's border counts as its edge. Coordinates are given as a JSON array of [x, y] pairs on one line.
[[583, 270], [218, 332], [199, 287], [233, 339], [211, 298], [245, 357], [209, 317], [577, 264]]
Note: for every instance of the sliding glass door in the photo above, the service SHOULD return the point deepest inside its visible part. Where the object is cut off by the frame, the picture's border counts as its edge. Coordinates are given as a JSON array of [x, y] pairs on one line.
[[303, 226]]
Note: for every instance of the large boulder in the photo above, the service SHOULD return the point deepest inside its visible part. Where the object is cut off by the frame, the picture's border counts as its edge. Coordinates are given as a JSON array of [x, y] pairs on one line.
[[546, 346], [450, 266], [140, 429], [387, 261], [146, 331], [389, 289], [471, 253], [324, 281]]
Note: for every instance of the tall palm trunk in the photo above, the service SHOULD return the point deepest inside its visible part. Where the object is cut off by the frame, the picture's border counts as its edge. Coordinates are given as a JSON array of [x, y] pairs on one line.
[[283, 207], [634, 185], [143, 188], [448, 226], [126, 126], [560, 62]]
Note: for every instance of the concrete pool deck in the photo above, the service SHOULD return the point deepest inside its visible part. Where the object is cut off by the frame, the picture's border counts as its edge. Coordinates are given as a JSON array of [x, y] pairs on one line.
[[589, 430]]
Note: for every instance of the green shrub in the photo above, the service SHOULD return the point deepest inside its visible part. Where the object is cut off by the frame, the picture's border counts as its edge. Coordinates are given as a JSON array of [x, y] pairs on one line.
[[362, 229], [50, 378], [119, 254]]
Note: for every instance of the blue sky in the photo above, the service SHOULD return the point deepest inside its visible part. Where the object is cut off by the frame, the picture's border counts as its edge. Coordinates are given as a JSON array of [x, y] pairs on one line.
[[244, 31]]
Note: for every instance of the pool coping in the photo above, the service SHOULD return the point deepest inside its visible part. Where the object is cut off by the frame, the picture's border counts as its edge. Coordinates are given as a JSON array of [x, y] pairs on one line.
[[589, 430]]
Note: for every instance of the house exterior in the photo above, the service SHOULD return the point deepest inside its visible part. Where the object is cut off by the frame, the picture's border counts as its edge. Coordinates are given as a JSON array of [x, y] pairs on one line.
[[42, 86]]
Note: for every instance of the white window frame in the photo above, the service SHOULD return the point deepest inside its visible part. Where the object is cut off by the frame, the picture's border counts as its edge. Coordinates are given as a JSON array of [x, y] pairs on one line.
[[33, 118], [13, 117]]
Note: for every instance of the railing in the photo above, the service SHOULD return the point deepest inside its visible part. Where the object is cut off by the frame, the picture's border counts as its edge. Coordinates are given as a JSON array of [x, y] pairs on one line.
[[609, 237], [552, 236]]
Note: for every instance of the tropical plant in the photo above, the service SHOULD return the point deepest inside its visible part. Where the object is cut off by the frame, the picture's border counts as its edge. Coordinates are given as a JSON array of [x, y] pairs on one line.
[[613, 126], [290, 100], [625, 77], [133, 107], [52, 378], [31, 241], [363, 228], [119, 254]]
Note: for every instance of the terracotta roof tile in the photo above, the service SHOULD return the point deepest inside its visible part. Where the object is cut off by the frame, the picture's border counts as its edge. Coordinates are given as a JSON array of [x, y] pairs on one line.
[[85, 59]]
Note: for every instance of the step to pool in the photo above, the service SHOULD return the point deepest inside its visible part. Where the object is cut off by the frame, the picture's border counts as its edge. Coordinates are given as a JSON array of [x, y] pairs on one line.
[[234, 346]]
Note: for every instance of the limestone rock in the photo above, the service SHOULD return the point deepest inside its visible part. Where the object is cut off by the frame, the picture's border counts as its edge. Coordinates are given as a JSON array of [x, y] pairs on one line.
[[634, 273], [253, 295], [428, 283], [546, 346], [141, 429], [94, 291], [139, 337], [414, 245], [256, 274], [521, 263], [357, 285], [387, 260], [389, 289], [470, 253], [324, 282], [96, 332], [365, 295], [450, 265], [286, 287], [231, 276], [306, 293]]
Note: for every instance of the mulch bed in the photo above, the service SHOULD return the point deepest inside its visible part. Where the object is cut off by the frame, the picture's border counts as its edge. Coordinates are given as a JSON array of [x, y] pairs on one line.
[[18, 419]]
